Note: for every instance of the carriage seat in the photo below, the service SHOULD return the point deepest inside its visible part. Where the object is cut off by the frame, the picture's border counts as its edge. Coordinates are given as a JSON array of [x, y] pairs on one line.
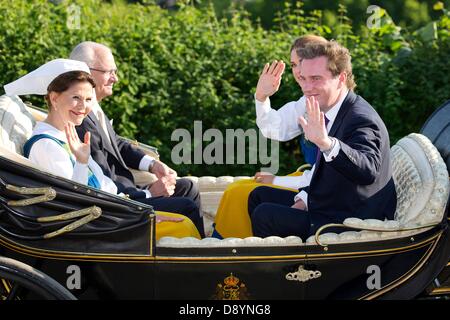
[[211, 191], [422, 185]]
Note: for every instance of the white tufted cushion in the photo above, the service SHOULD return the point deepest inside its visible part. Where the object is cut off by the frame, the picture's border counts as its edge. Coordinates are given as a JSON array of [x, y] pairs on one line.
[[188, 242], [16, 126], [372, 224], [214, 184], [421, 180], [16, 123], [360, 236]]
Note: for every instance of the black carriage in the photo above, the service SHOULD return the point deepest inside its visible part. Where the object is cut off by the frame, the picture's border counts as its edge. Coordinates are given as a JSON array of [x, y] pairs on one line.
[[63, 240]]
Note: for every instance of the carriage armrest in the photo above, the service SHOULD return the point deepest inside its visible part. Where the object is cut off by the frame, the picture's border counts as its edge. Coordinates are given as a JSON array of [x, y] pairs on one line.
[[303, 167], [8, 154], [368, 230], [142, 178], [149, 150], [38, 114]]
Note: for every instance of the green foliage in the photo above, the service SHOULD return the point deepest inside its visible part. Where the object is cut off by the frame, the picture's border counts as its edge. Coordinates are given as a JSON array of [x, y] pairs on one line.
[[176, 67], [405, 13]]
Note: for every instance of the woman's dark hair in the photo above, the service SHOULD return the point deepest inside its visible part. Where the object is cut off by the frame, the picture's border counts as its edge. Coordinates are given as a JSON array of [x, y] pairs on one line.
[[65, 80]]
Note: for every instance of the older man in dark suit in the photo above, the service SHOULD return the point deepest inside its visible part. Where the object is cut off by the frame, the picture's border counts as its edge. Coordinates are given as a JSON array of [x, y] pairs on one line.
[[352, 176], [115, 156]]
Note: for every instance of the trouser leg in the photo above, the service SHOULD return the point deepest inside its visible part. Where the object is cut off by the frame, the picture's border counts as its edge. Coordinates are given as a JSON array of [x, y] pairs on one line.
[[271, 214]]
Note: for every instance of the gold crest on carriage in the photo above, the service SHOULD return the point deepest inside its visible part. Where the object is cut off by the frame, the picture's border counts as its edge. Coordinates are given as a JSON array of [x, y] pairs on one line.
[[232, 288]]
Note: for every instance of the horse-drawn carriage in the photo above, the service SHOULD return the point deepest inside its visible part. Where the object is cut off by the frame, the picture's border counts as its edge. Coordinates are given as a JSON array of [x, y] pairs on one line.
[[60, 239]]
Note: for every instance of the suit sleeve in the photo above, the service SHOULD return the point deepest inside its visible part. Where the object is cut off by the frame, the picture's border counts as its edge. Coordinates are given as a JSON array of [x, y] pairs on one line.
[[130, 154], [133, 193], [359, 158]]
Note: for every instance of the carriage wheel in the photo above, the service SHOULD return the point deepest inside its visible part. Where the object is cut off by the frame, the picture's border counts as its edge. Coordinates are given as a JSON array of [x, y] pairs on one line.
[[18, 280]]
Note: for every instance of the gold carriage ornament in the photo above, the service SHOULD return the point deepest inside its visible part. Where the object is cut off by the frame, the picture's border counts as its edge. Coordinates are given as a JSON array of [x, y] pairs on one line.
[[303, 275], [231, 289]]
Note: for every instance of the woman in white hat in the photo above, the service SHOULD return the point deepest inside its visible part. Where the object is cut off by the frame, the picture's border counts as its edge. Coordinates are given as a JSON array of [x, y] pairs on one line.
[[54, 144]]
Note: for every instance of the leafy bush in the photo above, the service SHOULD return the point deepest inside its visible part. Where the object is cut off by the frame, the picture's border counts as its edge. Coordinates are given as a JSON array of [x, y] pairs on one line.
[[176, 67]]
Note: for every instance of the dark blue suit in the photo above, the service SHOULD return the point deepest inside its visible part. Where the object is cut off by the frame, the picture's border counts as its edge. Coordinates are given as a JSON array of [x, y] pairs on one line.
[[117, 155], [357, 183]]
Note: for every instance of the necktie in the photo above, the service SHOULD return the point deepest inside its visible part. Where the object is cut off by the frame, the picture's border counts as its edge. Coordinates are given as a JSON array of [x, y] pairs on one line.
[[101, 119], [319, 153]]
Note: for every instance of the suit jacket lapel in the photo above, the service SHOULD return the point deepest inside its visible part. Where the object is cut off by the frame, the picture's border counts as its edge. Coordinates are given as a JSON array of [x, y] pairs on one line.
[[112, 135], [348, 101], [110, 145]]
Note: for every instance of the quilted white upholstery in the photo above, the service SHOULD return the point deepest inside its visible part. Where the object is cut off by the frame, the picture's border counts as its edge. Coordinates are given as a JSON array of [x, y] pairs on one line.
[[422, 181], [211, 184], [16, 123], [229, 242], [359, 236]]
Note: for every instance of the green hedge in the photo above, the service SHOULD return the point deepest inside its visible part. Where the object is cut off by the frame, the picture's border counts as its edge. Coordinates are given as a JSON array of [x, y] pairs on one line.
[[180, 66]]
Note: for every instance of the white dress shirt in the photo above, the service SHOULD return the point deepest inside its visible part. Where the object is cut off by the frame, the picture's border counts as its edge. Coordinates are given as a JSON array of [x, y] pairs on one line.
[[282, 125], [55, 159]]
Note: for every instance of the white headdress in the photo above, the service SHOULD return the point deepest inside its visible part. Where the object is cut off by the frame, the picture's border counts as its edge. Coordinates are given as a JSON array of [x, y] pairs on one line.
[[37, 81]]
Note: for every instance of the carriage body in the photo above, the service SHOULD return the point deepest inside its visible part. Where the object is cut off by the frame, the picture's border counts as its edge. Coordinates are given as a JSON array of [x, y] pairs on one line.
[[111, 245]]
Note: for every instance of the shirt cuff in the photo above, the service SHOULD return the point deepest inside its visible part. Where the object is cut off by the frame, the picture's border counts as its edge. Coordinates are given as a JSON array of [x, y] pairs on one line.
[[147, 193], [262, 106], [333, 152], [145, 162], [81, 173], [302, 195], [295, 182]]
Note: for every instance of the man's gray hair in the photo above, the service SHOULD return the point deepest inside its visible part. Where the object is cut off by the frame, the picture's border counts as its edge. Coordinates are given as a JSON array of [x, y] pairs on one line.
[[87, 52]]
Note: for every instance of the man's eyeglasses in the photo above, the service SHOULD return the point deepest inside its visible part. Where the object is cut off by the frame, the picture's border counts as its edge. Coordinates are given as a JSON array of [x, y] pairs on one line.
[[109, 72]]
